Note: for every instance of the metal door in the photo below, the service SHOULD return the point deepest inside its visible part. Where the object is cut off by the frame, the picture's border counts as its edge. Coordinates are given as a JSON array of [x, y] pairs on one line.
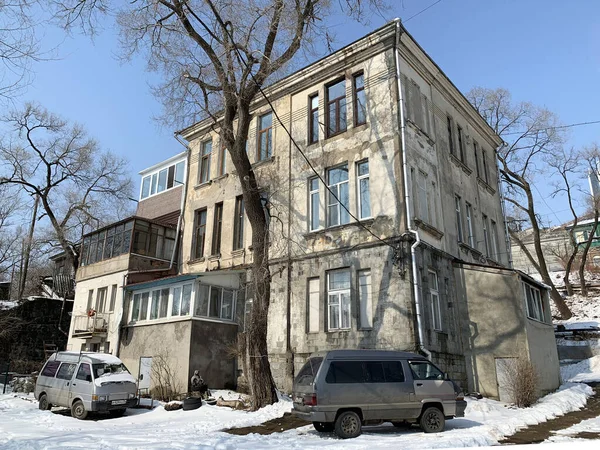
[[503, 369], [145, 373]]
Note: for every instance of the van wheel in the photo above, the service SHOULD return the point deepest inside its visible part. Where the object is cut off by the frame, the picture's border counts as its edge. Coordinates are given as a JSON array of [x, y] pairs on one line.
[[116, 413], [323, 427], [348, 425], [43, 403], [432, 420], [78, 410]]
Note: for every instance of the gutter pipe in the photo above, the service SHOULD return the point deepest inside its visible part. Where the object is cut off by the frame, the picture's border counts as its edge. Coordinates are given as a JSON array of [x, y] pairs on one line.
[[407, 201], [503, 204]]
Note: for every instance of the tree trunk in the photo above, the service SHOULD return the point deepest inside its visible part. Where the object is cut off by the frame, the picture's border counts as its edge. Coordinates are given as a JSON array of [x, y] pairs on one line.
[[584, 254]]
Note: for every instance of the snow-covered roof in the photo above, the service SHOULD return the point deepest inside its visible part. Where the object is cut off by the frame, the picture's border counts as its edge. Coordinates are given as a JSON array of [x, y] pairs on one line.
[[94, 358]]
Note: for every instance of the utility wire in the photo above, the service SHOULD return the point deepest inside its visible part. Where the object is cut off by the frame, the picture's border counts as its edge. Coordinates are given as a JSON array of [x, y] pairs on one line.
[[422, 11], [554, 128], [358, 222]]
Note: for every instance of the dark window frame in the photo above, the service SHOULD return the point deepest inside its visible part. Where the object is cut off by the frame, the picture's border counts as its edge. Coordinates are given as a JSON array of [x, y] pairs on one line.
[[238, 224], [313, 119], [217, 229], [336, 101], [268, 131], [355, 93], [450, 124], [199, 252], [461, 142], [204, 175]]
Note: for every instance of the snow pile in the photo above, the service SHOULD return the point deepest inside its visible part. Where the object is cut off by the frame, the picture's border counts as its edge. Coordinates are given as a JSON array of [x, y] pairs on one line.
[[585, 310], [570, 434], [584, 371]]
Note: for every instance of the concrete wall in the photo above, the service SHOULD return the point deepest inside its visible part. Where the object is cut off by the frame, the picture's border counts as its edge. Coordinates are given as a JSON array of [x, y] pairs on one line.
[[543, 352], [170, 341], [211, 352], [493, 323]]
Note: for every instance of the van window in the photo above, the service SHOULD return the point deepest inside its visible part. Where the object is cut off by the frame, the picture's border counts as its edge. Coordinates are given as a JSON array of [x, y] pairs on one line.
[[50, 368], [345, 372], [393, 372], [103, 369], [66, 371], [83, 372], [306, 376], [424, 370]]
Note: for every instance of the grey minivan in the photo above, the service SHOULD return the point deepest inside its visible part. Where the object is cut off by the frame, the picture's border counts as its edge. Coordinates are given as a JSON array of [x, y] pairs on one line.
[[342, 390], [86, 381]]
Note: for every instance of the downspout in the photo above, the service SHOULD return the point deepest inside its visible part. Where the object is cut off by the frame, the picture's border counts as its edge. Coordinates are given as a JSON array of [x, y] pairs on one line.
[[121, 315], [407, 201], [503, 205]]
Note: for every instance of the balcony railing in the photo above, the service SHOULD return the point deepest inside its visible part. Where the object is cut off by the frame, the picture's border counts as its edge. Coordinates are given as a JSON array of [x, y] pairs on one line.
[[89, 326]]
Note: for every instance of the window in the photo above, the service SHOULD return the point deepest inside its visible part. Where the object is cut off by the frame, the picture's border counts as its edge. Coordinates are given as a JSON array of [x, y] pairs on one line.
[[338, 299], [215, 302], [486, 237], [222, 163], [337, 180], [84, 372], [155, 305], [313, 200], [345, 372], [176, 303], [90, 301], [417, 105], [535, 304], [313, 118], [306, 375], [162, 180], [424, 370], [423, 205], [461, 143], [204, 171], [471, 236], [66, 371], [153, 240], [434, 301], [135, 309], [476, 155], [101, 299], [199, 233], [450, 134], [459, 228], [494, 230], [144, 306], [50, 368], [485, 166], [360, 100], [313, 306], [238, 225], [265, 123], [364, 299], [217, 227], [336, 108], [113, 297], [364, 201]]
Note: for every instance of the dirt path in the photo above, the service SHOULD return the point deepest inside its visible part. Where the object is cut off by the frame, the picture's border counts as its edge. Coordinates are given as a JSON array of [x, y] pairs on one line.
[[287, 422], [540, 432]]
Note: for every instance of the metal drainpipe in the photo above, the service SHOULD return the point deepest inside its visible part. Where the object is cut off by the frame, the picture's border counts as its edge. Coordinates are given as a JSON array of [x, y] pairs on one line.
[[503, 204], [413, 247], [121, 316]]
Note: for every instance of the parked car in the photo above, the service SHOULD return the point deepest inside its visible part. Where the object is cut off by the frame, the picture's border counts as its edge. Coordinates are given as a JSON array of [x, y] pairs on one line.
[[342, 390], [86, 381]]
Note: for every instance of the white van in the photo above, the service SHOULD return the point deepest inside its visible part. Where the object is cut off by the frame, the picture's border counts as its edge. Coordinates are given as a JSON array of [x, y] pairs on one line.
[[86, 381]]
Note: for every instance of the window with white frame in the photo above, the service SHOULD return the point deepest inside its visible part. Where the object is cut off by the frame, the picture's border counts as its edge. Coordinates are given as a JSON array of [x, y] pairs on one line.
[[313, 203], [204, 171], [159, 305], [265, 135], [365, 301], [459, 221], [434, 301], [486, 235], [313, 307], [337, 181], [172, 301], [113, 297], [215, 302], [535, 304], [469, 215], [166, 178], [494, 230], [364, 197], [338, 299], [101, 299]]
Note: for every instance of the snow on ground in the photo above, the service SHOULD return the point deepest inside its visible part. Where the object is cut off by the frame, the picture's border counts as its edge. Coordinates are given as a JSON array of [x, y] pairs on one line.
[[22, 425], [569, 434], [586, 311], [582, 372]]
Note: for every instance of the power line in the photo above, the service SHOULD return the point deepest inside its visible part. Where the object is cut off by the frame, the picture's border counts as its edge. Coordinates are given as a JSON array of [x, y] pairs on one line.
[[318, 175], [554, 128], [422, 11]]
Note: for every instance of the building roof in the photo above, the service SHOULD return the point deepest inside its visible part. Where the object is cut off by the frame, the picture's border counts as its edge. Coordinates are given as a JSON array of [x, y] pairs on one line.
[[167, 162], [153, 221]]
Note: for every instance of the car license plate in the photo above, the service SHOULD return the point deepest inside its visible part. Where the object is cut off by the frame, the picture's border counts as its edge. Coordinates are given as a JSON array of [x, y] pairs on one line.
[[118, 402]]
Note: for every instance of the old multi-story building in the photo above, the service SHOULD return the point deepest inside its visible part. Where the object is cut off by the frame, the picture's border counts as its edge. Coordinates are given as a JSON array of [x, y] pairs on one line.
[[386, 228]]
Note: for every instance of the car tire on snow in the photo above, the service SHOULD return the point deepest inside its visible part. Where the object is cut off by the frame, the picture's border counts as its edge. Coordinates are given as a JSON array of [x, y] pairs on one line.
[[190, 403]]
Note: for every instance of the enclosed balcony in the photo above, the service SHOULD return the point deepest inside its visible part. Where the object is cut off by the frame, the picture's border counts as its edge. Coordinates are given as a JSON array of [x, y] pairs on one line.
[[131, 244], [88, 326]]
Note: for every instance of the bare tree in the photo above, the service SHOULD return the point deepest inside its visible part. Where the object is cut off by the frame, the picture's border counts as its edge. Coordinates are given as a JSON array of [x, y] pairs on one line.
[[75, 181], [531, 140], [215, 57]]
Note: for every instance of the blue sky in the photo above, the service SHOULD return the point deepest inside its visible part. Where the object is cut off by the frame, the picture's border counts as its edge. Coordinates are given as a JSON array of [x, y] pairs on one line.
[[543, 51]]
